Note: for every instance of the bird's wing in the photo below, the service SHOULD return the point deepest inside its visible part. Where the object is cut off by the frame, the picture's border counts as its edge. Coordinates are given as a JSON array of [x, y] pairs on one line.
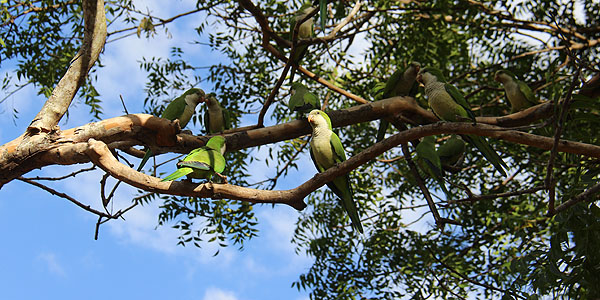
[[526, 90], [338, 150], [460, 99], [179, 173], [175, 109]]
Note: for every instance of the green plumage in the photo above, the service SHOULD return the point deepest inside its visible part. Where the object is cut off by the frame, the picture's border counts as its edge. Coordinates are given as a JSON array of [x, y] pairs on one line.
[[216, 119], [203, 162], [305, 30], [302, 100], [451, 151], [182, 109], [401, 83], [326, 151], [448, 104], [517, 92], [430, 162]]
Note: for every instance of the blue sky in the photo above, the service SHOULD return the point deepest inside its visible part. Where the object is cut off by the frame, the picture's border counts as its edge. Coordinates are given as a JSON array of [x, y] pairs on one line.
[[49, 249]]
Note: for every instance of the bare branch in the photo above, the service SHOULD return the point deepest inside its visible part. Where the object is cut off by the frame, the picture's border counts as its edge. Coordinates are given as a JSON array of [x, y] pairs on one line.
[[585, 196], [63, 195]]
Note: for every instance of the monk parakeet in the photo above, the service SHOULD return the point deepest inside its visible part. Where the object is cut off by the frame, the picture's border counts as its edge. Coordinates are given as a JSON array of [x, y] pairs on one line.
[[302, 100], [449, 104], [401, 83], [451, 151], [518, 92], [182, 109], [430, 162], [216, 119], [203, 162], [326, 151], [305, 30]]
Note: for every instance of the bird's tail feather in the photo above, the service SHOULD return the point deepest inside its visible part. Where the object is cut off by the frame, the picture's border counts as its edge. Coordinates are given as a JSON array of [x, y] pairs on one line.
[[145, 159], [488, 152], [347, 200], [179, 173]]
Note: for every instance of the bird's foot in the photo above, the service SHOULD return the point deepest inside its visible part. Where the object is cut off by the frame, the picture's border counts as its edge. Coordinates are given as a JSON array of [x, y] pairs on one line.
[[186, 131], [223, 177]]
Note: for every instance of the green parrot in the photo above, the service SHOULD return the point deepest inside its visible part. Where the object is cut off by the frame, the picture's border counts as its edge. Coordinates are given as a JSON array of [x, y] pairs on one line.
[[203, 162], [401, 83], [302, 100], [517, 92], [430, 162], [216, 119], [326, 151], [182, 109], [305, 30], [451, 151], [449, 104]]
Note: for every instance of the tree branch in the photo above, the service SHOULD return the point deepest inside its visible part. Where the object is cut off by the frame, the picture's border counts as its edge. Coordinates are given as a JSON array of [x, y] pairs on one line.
[[93, 41]]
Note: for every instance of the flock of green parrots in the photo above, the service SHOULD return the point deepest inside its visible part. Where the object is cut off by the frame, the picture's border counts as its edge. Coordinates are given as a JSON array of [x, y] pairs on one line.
[[326, 149]]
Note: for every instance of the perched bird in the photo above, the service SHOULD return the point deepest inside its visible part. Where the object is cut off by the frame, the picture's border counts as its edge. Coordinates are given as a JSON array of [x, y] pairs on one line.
[[451, 151], [401, 83], [430, 162], [182, 109], [216, 119], [203, 162], [302, 100], [305, 30], [449, 104], [517, 92], [326, 151]]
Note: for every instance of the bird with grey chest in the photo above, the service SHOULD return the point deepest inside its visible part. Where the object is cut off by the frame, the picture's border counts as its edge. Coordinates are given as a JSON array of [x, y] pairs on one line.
[[326, 151]]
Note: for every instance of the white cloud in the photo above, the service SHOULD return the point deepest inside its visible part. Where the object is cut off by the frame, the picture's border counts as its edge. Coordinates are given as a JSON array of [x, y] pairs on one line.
[[214, 293], [51, 263]]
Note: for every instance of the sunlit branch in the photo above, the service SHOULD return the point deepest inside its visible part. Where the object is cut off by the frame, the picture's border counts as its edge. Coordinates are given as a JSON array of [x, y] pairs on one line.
[[93, 42]]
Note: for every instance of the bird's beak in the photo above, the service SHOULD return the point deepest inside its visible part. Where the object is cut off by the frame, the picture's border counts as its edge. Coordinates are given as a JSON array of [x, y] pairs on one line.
[[497, 78], [310, 118], [420, 78]]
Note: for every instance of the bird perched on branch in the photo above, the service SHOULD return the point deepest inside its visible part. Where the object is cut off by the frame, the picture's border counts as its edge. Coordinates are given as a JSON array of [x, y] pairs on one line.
[[517, 92], [449, 104], [302, 100], [216, 119], [326, 151], [305, 30], [203, 162], [181, 108], [401, 83]]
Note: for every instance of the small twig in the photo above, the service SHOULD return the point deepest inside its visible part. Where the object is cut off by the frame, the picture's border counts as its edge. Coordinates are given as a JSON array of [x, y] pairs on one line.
[[97, 228], [63, 195], [62, 177], [473, 198], [415, 172], [586, 195], [558, 128], [274, 91], [123, 102]]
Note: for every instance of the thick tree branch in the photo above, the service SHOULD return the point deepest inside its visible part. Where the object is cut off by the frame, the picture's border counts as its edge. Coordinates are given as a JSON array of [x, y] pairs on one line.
[[64, 92], [103, 158], [64, 147]]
